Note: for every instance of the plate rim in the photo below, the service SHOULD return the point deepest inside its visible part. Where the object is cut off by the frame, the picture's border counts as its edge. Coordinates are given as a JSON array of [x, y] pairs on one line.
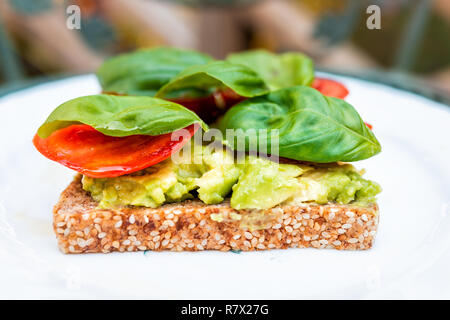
[[85, 75], [412, 86]]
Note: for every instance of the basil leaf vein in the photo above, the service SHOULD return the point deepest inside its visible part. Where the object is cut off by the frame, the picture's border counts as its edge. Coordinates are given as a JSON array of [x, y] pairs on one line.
[[144, 72], [278, 70], [312, 127], [121, 116], [216, 75]]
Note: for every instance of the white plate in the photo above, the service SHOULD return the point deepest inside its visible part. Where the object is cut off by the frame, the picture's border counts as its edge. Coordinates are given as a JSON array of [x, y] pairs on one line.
[[410, 258]]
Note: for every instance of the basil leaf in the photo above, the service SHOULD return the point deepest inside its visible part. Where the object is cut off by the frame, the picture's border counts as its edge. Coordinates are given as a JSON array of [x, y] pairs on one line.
[[121, 116], [279, 71], [145, 71], [312, 127], [219, 74]]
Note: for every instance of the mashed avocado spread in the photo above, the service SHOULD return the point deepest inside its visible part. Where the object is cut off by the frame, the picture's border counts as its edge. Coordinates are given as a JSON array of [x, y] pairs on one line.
[[256, 184]]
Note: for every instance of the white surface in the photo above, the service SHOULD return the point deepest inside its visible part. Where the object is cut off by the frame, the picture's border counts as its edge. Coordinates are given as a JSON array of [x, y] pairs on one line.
[[410, 258]]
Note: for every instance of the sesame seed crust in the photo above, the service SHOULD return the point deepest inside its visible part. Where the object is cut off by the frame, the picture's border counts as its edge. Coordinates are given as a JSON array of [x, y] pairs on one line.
[[81, 227]]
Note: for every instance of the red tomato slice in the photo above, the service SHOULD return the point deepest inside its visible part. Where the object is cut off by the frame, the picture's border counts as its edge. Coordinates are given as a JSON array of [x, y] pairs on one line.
[[330, 88], [368, 125], [90, 152]]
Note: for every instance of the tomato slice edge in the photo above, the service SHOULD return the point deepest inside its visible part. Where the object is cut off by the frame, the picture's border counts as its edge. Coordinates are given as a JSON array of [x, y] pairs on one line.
[[88, 151], [331, 88]]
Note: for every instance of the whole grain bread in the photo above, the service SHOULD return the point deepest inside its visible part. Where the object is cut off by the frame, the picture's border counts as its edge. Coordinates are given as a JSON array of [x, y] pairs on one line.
[[81, 227]]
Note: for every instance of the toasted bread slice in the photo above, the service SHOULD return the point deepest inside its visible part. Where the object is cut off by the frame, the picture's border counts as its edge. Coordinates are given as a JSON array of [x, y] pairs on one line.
[[194, 226]]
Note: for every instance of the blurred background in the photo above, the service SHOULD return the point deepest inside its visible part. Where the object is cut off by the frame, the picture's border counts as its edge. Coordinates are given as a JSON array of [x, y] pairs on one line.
[[412, 48]]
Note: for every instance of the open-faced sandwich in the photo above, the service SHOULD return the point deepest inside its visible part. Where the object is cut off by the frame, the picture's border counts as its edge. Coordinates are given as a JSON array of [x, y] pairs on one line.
[[272, 172]]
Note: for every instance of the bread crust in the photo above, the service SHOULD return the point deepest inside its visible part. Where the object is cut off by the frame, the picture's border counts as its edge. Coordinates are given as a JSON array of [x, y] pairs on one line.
[[81, 227]]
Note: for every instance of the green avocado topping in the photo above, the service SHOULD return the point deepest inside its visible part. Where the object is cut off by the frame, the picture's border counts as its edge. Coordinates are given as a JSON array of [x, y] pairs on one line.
[[256, 184], [308, 126]]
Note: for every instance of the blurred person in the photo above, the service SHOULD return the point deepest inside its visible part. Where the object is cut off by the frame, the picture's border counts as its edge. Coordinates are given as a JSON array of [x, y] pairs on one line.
[[414, 38], [41, 35], [294, 25], [332, 32], [414, 41], [107, 27], [111, 26]]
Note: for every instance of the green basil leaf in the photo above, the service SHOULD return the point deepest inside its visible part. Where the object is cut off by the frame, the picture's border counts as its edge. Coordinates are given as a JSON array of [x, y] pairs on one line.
[[121, 116], [219, 74], [279, 71], [144, 72], [312, 127]]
